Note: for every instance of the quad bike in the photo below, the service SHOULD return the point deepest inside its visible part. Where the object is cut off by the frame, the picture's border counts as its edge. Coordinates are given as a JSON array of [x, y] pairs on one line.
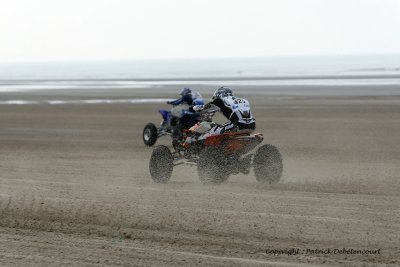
[[173, 123], [218, 156]]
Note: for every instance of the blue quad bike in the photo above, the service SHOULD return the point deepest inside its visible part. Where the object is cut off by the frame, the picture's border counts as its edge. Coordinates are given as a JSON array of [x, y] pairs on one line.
[[173, 123]]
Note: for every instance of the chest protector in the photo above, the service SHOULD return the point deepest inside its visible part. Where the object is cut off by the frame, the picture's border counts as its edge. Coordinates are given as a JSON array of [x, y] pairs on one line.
[[240, 107]]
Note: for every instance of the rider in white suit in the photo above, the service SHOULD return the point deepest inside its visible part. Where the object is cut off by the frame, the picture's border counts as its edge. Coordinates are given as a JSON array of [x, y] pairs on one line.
[[235, 109]]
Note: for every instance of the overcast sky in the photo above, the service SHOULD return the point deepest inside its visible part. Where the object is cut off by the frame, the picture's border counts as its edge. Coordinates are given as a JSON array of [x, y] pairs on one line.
[[132, 29]]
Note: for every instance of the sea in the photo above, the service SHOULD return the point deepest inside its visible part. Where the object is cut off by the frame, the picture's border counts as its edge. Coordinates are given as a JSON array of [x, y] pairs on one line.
[[294, 71]]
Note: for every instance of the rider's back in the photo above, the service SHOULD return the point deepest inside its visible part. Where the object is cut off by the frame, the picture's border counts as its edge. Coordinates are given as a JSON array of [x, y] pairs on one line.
[[235, 109]]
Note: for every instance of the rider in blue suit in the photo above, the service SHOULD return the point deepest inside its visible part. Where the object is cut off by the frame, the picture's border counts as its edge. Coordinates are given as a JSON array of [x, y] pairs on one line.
[[187, 118], [186, 98], [190, 98]]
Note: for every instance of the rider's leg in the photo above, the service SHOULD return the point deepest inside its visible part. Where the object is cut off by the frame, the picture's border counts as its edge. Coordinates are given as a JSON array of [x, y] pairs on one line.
[[220, 129]]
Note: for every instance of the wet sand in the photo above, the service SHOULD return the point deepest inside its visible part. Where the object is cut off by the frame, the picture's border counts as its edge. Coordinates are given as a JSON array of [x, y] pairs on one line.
[[76, 190]]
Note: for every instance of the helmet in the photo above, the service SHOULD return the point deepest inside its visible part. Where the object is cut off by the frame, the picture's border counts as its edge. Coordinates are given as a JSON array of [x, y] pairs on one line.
[[186, 91], [222, 92]]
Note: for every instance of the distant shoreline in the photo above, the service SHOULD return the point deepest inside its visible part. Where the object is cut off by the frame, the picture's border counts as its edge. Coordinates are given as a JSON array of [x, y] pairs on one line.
[[202, 78]]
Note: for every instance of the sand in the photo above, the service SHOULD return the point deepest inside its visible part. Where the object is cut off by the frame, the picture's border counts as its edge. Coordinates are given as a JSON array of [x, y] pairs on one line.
[[75, 187]]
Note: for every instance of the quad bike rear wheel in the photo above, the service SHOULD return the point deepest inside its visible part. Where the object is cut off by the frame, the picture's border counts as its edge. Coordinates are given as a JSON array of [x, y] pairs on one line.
[[268, 164], [150, 134], [161, 164], [211, 167]]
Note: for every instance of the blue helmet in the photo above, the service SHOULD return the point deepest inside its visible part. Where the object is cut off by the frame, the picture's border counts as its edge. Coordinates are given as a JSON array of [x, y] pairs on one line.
[[222, 92], [186, 91]]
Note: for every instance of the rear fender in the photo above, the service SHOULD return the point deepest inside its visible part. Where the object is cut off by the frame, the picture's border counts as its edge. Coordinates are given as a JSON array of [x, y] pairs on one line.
[[215, 141], [234, 142]]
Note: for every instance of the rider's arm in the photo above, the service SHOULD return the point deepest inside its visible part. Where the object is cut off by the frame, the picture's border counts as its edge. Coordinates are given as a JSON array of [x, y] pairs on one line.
[[185, 99], [176, 102], [217, 102]]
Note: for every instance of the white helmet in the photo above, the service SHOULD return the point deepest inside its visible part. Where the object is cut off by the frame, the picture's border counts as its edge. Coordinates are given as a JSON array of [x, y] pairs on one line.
[[222, 92]]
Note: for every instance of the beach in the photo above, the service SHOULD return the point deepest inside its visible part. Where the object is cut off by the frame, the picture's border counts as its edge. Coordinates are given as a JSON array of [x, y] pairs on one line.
[[75, 188]]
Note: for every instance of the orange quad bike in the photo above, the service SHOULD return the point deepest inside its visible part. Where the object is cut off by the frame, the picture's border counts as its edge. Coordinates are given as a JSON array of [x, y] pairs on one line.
[[217, 156]]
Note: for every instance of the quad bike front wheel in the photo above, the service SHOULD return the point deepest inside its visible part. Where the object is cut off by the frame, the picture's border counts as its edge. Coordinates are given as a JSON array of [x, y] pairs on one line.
[[150, 134], [211, 167], [268, 164], [161, 164]]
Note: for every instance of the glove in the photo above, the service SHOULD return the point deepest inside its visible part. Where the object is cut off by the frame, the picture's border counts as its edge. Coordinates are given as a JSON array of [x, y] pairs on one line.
[[198, 108]]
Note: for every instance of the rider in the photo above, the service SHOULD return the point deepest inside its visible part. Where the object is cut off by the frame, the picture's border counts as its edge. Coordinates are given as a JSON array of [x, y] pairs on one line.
[[235, 109], [186, 98], [186, 117]]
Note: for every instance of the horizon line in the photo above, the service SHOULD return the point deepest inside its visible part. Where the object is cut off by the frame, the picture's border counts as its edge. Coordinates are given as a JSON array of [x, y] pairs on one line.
[[197, 58]]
